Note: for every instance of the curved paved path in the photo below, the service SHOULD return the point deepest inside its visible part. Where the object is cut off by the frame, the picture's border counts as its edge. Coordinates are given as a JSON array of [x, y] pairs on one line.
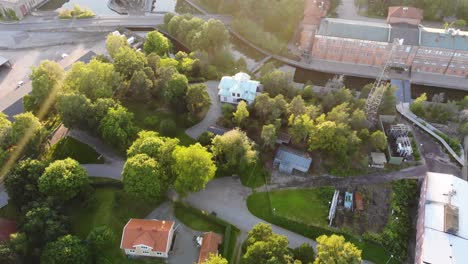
[[213, 113]]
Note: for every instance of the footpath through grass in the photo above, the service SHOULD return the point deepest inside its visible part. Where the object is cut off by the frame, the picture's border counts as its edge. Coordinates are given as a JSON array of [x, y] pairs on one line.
[[70, 147], [202, 221], [305, 212], [111, 207]]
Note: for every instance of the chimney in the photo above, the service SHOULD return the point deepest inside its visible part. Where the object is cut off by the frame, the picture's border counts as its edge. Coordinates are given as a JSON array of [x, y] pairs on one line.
[[405, 9]]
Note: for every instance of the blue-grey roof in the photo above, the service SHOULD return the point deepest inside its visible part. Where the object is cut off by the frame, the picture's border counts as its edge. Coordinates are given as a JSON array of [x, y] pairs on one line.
[[440, 38], [344, 28], [217, 130], [293, 158], [239, 83]]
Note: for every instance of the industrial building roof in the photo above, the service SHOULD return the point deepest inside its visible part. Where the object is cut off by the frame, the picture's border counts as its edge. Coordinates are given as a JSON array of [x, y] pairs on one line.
[[445, 220], [441, 38], [293, 158], [353, 29]]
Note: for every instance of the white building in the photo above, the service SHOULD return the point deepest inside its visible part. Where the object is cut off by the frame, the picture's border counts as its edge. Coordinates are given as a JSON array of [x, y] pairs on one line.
[[442, 229], [19, 7], [143, 237], [233, 89]]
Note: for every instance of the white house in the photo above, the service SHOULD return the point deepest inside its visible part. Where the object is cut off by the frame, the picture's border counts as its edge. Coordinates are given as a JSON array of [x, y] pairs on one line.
[[233, 89], [143, 237], [442, 228]]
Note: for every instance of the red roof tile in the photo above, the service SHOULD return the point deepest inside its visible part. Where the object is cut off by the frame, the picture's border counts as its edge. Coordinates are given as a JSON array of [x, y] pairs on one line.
[[152, 233], [209, 246], [403, 14]]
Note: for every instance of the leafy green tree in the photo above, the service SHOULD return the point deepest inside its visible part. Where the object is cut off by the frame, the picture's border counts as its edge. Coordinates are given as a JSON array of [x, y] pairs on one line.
[[19, 244], [98, 111], [212, 36], [334, 249], [194, 167], [27, 129], [127, 61], [337, 97], [215, 259], [241, 113], [63, 179], [378, 140], [117, 127], [197, 98], [9, 256], [100, 238], [67, 249], [463, 129], [297, 106], [339, 114], [5, 127], [114, 43], [262, 248], [140, 86], [269, 135], [300, 127], [418, 105], [387, 107], [305, 253], [95, 79], [278, 82], [262, 106], [167, 127], [233, 151], [228, 111], [308, 93], [358, 120], [157, 43], [22, 182], [205, 138], [176, 90], [43, 224], [46, 83], [74, 110], [142, 177], [280, 108]]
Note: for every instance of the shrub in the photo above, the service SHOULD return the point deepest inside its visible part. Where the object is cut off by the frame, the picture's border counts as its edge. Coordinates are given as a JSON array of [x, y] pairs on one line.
[[151, 121], [167, 127], [205, 138], [452, 142]]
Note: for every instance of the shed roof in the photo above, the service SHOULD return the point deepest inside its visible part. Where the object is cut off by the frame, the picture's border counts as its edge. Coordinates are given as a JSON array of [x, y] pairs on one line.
[[353, 29], [210, 244], [3, 60], [378, 158], [152, 233], [441, 38], [293, 158]]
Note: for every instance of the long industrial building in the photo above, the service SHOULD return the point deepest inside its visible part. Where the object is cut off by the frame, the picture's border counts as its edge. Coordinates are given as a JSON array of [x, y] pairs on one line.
[[425, 55]]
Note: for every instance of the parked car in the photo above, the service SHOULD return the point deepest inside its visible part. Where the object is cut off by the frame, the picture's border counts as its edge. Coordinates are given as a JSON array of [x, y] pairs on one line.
[[20, 83]]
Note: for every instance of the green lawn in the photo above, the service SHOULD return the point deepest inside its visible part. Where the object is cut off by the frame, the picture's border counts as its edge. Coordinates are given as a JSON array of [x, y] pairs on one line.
[[111, 207], [254, 176], [70, 147], [305, 212], [142, 111]]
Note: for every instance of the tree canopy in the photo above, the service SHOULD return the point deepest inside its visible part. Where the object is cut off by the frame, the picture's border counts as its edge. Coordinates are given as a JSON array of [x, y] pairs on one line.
[[114, 43], [157, 43], [241, 113], [334, 249], [22, 182], [197, 98], [117, 127], [67, 249]]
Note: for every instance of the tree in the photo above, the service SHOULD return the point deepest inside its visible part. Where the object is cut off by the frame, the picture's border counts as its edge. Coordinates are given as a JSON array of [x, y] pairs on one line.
[[305, 253], [176, 90], [197, 98], [167, 127], [117, 127], [157, 43], [74, 110], [63, 179], [95, 80], [114, 43], [387, 107], [297, 106], [19, 244], [228, 111], [140, 86], [67, 249], [28, 130], [194, 167], [43, 224], [300, 127], [22, 182], [8, 256], [463, 129], [263, 246], [142, 177], [339, 114], [378, 140], [269, 135], [263, 105], [5, 127], [205, 138], [215, 259], [334, 249], [212, 37], [100, 238], [46, 83], [278, 82], [233, 150], [418, 105], [127, 61], [241, 113], [358, 120]]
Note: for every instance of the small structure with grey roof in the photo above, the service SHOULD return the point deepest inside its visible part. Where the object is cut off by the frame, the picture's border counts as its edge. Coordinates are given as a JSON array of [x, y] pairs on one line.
[[4, 61], [233, 89], [288, 159], [378, 160]]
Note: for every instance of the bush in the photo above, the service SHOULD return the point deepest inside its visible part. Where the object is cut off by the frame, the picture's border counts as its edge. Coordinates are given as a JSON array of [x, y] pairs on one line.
[[227, 110], [305, 253], [167, 127], [205, 138], [452, 142], [150, 121]]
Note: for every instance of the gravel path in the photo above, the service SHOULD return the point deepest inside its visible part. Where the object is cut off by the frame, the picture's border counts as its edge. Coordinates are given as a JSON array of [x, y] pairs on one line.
[[213, 113]]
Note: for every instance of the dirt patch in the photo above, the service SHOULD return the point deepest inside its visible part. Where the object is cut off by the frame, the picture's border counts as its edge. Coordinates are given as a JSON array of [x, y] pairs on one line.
[[376, 209]]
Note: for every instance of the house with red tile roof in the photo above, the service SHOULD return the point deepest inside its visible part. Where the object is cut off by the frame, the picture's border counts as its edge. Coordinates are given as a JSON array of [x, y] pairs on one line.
[[404, 14], [210, 244], [147, 237]]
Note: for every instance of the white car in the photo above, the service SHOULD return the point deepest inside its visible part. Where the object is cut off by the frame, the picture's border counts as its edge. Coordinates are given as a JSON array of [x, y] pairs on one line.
[[20, 83], [64, 55]]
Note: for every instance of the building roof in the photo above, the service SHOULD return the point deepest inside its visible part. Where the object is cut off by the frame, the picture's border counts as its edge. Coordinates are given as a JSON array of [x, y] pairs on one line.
[[409, 34], [3, 60], [151, 233], [378, 158], [239, 83], [293, 158], [445, 231], [354, 29], [447, 39], [404, 14], [217, 130], [7, 227], [210, 244]]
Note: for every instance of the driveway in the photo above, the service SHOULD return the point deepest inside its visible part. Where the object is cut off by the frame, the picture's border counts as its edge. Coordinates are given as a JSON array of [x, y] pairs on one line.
[[227, 197], [213, 113], [184, 250]]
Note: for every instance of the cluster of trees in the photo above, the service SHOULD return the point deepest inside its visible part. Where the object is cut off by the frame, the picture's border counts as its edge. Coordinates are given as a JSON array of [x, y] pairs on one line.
[[439, 110], [41, 191], [264, 246], [433, 9]]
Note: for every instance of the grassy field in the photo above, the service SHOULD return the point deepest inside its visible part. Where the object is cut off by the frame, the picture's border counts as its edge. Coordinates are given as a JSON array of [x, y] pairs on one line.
[[143, 111], [254, 176], [305, 212], [111, 207], [70, 147], [201, 221]]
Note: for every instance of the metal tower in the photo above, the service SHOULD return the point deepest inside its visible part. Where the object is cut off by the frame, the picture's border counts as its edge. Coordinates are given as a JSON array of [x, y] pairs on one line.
[[375, 95]]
